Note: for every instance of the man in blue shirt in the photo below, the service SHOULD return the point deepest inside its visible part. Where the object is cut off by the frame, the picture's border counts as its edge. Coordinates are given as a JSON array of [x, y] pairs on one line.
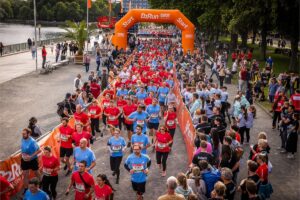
[[153, 123], [139, 117], [272, 89], [34, 193], [84, 153], [141, 94], [29, 151], [122, 91], [151, 87], [137, 164], [140, 139]]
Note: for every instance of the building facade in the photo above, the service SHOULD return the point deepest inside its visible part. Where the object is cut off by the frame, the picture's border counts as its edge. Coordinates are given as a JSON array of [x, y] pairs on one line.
[[133, 4]]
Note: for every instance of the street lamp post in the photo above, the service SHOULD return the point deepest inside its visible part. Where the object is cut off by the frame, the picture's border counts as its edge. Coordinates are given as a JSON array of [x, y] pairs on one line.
[[39, 26], [34, 13]]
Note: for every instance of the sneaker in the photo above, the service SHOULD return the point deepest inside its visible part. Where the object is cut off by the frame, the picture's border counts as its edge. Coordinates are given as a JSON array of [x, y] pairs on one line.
[[291, 156], [283, 151]]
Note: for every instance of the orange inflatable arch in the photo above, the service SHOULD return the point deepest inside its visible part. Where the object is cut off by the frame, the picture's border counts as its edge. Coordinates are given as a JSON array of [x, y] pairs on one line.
[[156, 16]]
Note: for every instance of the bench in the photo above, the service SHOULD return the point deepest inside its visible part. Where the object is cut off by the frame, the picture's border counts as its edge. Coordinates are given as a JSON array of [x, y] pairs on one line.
[[65, 62], [55, 65]]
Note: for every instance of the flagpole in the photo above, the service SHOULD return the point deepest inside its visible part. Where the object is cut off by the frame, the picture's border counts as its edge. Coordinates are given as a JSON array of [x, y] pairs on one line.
[[87, 25], [35, 40]]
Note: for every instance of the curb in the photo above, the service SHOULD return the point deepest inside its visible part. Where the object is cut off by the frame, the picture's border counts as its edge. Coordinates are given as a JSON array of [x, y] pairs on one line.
[[264, 109]]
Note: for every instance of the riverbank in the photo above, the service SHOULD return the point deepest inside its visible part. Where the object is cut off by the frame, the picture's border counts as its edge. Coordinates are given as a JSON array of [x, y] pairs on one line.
[[42, 23]]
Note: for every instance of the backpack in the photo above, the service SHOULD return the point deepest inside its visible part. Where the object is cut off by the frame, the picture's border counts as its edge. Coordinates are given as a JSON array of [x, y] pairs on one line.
[[210, 178], [60, 108]]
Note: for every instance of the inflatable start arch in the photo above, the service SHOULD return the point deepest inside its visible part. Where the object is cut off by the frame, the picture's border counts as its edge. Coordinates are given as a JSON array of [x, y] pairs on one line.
[[156, 16]]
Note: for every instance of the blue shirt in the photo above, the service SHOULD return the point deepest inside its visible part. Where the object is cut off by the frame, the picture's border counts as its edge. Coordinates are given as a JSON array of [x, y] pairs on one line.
[[80, 155], [141, 95], [153, 112], [40, 195], [138, 164], [142, 140], [162, 93], [170, 82], [152, 88], [249, 121], [121, 92], [224, 96], [273, 88], [242, 122], [116, 146], [29, 147], [139, 119]]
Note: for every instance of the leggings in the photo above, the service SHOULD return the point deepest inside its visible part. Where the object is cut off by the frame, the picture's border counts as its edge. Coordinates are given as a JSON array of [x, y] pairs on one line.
[[115, 163], [241, 132], [276, 117], [161, 158], [172, 133], [95, 126], [50, 181]]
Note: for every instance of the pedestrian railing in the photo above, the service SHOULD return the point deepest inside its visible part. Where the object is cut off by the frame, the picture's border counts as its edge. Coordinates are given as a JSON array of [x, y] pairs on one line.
[[14, 48]]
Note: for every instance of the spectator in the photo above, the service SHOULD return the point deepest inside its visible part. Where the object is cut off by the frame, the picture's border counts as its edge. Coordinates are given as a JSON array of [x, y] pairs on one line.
[[196, 183], [226, 176], [183, 187], [171, 186]]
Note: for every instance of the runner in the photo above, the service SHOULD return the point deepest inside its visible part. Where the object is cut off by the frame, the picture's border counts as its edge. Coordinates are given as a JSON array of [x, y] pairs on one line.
[[148, 100], [127, 110], [141, 94], [162, 93], [112, 114], [66, 148], [121, 102], [140, 139], [33, 192], [78, 134], [94, 114], [103, 188], [5, 188], [153, 123], [170, 119], [83, 182], [105, 104], [116, 147], [50, 175], [138, 165], [162, 146], [81, 117], [83, 153], [29, 161], [139, 117]]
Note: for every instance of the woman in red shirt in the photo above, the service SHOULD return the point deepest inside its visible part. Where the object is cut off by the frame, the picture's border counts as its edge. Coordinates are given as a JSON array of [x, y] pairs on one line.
[[162, 146], [50, 176], [112, 114], [103, 188], [170, 118], [94, 114], [262, 171], [78, 134]]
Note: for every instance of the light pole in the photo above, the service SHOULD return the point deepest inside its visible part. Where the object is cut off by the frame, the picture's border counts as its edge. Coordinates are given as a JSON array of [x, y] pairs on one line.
[[36, 51], [39, 27]]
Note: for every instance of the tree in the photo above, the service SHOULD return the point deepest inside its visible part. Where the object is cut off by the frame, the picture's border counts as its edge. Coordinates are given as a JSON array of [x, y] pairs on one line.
[[288, 25], [25, 13], [74, 11], [45, 14], [78, 33], [6, 6], [60, 11]]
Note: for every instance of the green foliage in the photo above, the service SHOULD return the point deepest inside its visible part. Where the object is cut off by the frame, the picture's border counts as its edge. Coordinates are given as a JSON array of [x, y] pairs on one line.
[[25, 13], [6, 6], [78, 33]]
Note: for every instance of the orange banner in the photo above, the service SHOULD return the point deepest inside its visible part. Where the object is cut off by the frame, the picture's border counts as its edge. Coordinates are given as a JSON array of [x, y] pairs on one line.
[[184, 120], [89, 3]]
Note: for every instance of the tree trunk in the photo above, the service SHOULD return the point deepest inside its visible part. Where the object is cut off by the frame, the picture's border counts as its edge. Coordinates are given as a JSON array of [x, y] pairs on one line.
[[294, 64], [254, 37], [263, 47], [234, 40], [244, 37]]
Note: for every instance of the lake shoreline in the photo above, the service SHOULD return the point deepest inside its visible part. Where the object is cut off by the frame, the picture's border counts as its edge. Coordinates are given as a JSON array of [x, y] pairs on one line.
[[31, 22]]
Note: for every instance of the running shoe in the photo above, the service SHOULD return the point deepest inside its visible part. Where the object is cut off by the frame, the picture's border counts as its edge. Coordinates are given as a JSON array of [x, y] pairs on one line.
[[291, 156]]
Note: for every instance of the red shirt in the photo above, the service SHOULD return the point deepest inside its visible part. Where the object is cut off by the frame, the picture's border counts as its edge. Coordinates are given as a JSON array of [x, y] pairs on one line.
[[162, 140], [65, 140], [94, 110], [262, 172], [44, 52], [238, 137], [82, 117], [145, 80], [111, 92], [102, 193], [4, 184], [249, 56], [80, 189], [118, 84], [170, 122], [127, 110], [233, 55], [49, 163], [76, 137], [95, 89], [295, 98], [148, 101], [113, 112], [121, 103], [105, 102], [279, 105]]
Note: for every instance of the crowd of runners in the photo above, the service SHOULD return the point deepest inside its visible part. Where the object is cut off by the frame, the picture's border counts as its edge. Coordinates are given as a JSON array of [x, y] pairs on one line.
[[137, 109]]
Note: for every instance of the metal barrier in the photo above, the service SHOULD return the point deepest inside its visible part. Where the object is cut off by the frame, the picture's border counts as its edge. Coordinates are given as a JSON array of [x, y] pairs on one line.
[[14, 48]]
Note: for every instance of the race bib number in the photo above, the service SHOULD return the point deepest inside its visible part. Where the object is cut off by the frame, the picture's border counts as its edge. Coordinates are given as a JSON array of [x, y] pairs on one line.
[[138, 167], [155, 115], [64, 138], [161, 145], [163, 95], [79, 187], [93, 112], [116, 147], [47, 171], [170, 122], [140, 122], [111, 118], [106, 104]]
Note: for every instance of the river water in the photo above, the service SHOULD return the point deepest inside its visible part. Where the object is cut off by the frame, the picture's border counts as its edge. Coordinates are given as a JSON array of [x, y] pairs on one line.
[[19, 33]]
